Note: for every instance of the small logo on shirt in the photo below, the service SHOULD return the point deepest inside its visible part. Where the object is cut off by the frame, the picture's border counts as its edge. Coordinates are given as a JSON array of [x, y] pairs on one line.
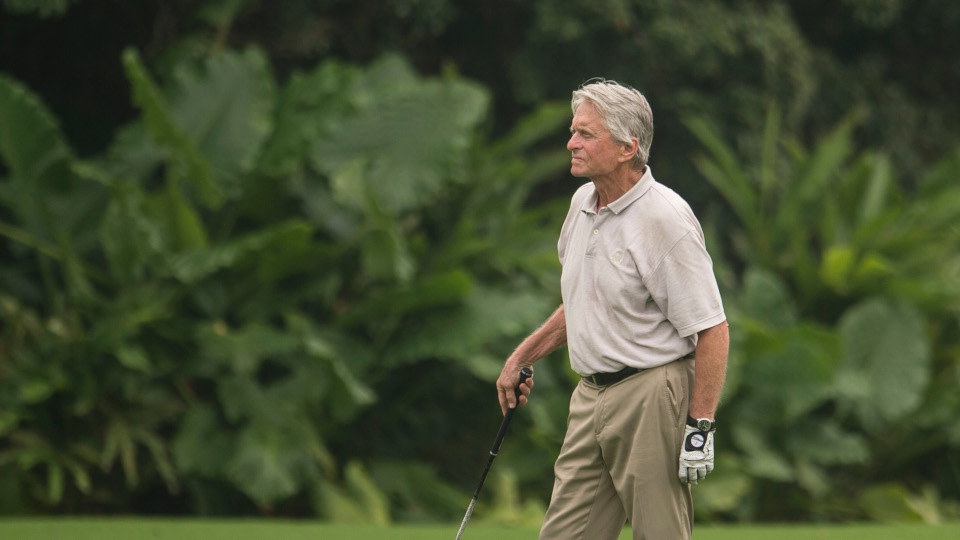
[[617, 256]]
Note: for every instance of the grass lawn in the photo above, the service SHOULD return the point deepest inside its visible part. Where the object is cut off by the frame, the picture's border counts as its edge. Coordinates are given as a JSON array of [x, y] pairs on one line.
[[162, 529]]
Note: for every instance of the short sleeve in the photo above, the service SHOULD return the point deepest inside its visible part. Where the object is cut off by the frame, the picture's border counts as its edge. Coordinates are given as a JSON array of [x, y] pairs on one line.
[[684, 287]]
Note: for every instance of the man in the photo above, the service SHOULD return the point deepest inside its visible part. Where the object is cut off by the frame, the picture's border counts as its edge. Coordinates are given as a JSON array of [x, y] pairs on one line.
[[640, 301]]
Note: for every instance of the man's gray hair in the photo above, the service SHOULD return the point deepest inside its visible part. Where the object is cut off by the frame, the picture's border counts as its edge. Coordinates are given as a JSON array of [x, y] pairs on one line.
[[624, 110]]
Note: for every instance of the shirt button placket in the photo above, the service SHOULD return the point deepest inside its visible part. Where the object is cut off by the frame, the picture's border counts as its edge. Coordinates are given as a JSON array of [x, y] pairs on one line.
[[592, 239]]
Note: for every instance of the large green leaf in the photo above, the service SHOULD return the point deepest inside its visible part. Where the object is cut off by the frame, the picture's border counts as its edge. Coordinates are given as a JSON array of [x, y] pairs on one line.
[[31, 145], [886, 364], [347, 358], [761, 458], [178, 220], [244, 399], [226, 106], [201, 443], [460, 332], [341, 223], [134, 307], [241, 351], [790, 374], [822, 166], [130, 241], [405, 135], [41, 188], [764, 297], [879, 185], [165, 131], [722, 169], [348, 361], [308, 103], [825, 442], [273, 461], [198, 264], [427, 293], [385, 254], [545, 121], [133, 154]]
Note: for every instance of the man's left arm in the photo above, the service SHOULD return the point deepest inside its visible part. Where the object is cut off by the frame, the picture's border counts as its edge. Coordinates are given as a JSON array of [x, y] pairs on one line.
[[713, 345], [696, 454]]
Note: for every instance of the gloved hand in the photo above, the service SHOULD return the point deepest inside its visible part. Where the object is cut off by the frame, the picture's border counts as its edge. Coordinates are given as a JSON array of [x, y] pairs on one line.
[[696, 456]]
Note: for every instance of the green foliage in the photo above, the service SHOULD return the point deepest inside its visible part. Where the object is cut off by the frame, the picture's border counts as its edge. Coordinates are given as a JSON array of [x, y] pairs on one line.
[[844, 324], [246, 271], [387, 152], [887, 363]]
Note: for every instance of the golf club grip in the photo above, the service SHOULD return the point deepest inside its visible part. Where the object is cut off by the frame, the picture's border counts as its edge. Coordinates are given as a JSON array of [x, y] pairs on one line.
[[525, 374]]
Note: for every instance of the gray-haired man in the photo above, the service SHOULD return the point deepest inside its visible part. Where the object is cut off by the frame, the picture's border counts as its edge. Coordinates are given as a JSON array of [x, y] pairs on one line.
[[640, 301]]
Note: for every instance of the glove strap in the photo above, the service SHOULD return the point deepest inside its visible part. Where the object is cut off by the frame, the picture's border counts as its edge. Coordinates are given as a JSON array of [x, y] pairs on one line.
[[703, 424]]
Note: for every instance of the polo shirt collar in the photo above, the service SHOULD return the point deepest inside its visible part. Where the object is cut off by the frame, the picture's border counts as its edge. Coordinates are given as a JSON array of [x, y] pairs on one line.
[[625, 200]]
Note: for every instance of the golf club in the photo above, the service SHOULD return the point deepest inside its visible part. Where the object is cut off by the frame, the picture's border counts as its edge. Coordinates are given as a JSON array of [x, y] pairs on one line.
[[525, 374]]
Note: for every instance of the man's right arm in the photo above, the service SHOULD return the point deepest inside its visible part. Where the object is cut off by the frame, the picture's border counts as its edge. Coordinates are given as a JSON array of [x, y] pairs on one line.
[[546, 339]]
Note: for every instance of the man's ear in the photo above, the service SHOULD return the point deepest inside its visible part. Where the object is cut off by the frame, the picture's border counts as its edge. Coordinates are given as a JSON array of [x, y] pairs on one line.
[[627, 151]]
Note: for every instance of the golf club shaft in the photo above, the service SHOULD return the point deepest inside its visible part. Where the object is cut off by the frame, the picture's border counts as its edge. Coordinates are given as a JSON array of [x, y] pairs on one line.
[[524, 375], [483, 476], [466, 517]]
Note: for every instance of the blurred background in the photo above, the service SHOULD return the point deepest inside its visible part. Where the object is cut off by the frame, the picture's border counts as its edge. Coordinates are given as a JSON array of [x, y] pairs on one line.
[[267, 258]]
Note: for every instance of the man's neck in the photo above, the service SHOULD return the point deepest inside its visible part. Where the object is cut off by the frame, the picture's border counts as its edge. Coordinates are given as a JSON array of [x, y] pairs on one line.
[[612, 186]]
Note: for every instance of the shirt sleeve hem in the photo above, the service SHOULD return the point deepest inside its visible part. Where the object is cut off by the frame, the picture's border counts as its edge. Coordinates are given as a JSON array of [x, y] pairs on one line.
[[694, 328]]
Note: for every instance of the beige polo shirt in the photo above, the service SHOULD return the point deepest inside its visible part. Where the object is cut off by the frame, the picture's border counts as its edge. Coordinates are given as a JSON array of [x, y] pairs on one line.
[[637, 281]]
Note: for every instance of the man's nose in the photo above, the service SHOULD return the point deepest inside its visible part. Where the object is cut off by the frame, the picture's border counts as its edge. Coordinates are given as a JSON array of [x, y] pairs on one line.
[[573, 142]]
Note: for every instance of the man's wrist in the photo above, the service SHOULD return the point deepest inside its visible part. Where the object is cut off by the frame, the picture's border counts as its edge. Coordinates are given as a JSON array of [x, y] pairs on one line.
[[703, 424]]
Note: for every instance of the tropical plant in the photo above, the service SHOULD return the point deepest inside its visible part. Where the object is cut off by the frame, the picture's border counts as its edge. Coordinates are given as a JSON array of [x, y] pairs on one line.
[[844, 300], [202, 312]]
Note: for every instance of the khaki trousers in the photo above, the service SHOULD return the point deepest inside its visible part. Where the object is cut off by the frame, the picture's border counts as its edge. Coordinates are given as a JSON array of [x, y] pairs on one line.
[[620, 459]]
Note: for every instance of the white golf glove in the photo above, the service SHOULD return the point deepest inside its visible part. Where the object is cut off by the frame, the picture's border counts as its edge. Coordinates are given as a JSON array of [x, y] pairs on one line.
[[696, 456]]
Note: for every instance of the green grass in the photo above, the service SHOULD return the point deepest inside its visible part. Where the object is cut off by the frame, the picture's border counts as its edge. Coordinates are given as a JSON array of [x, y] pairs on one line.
[[161, 529]]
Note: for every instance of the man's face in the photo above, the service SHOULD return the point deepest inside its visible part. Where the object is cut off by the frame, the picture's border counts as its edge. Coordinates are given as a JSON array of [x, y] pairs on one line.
[[593, 152]]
